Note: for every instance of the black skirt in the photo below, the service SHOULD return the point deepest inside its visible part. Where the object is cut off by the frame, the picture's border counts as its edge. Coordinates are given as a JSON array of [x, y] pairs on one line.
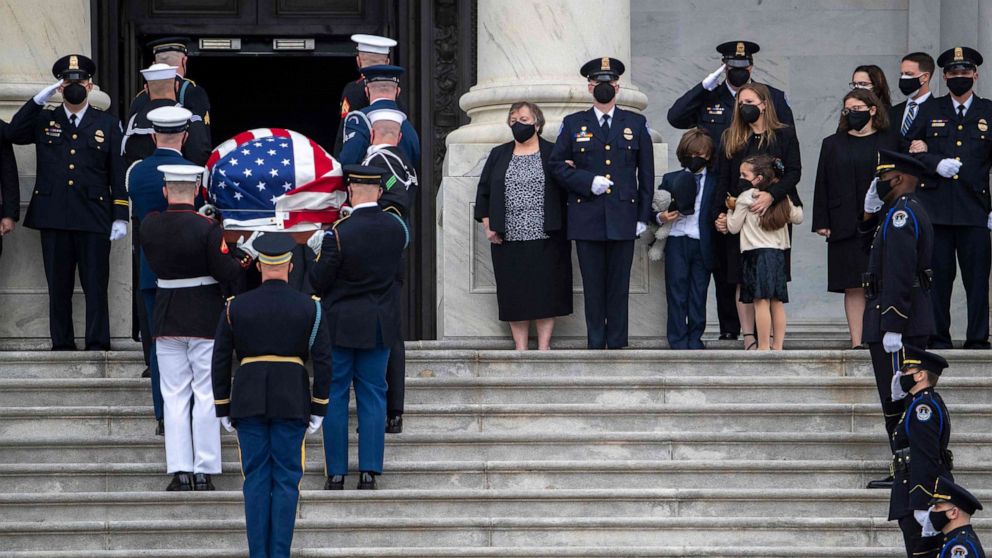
[[533, 278], [763, 271], [733, 259], [846, 261]]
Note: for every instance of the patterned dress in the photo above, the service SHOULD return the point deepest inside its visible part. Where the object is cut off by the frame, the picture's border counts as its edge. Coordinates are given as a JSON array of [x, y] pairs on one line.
[[525, 198]]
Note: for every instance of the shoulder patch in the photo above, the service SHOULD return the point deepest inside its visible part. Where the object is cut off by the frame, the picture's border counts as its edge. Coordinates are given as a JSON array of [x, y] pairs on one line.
[[923, 412], [959, 551], [899, 219]]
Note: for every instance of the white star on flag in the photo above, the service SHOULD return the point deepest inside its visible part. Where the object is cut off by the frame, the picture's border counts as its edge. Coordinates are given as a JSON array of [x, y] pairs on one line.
[[247, 172], [222, 172], [260, 185], [273, 173], [238, 196], [245, 152], [273, 200], [257, 144], [270, 140], [287, 186], [234, 162], [259, 162], [283, 144], [271, 152], [285, 162], [221, 185]]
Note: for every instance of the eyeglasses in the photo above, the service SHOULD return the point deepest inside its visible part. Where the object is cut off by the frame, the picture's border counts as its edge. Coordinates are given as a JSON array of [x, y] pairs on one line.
[[859, 108], [860, 85]]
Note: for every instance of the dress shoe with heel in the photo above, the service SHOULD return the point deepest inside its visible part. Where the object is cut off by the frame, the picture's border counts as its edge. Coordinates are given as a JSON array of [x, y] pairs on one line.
[[367, 481], [181, 482], [394, 424], [334, 482], [202, 481], [726, 336], [160, 429]]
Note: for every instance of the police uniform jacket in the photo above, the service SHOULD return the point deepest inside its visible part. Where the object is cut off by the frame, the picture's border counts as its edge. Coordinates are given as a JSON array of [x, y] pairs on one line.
[[10, 191], [274, 320], [713, 110], [357, 135], [182, 244], [962, 543], [925, 429], [901, 247], [962, 200], [490, 196], [626, 157], [80, 182], [399, 186], [189, 95], [354, 276], [138, 142]]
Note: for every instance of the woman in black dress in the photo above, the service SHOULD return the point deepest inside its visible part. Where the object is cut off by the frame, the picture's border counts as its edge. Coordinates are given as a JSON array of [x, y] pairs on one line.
[[846, 169], [521, 209], [754, 130]]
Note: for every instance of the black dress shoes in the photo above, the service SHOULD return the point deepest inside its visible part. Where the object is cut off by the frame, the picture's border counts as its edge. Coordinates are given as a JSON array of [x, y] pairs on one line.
[[885, 483], [728, 336], [367, 481], [147, 373], [202, 481], [979, 345], [394, 424], [160, 429], [181, 482], [335, 482]]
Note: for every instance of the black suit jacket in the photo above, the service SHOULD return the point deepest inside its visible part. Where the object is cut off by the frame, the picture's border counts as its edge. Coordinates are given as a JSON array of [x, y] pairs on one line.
[[490, 196], [10, 191], [786, 148], [896, 114]]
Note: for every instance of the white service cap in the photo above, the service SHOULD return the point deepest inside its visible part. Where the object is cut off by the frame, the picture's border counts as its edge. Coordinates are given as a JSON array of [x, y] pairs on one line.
[[373, 43], [181, 173], [159, 71], [392, 115], [170, 120]]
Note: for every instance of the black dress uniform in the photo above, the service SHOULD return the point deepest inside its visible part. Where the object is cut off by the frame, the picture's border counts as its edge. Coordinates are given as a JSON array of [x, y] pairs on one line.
[[920, 455], [604, 226], [959, 205], [10, 190], [398, 196], [899, 239], [188, 94], [962, 541], [140, 143], [78, 194], [353, 96], [275, 329]]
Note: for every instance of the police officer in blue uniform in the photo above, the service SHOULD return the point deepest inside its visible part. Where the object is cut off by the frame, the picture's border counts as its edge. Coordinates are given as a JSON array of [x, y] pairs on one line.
[[174, 51], [919, 448], [370, 50], [144, 187], [79, 202], [10, 191], [354, 275], [950, 513], [382, 84], [954, 141], [899, 238], [604, 158], [275, 329]]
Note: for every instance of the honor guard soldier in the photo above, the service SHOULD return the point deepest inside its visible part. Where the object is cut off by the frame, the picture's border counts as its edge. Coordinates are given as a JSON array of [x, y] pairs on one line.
[[383, 86], [138, 142], [604, 159], [710, 106], [954, 142], [355, 275], [275, 329], [187, 253], [79, 202], [951, 509], [370, 50], [144, 186], [10, 191], [919, 446], [173, 51], [896, 284], [399, 193]]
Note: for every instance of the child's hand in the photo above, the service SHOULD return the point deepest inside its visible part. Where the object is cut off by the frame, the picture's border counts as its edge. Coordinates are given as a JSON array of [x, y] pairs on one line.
[[666, 216]]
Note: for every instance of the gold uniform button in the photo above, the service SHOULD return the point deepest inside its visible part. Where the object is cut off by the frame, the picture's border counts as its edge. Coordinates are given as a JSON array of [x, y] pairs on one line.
[[72, 167], [607, 162], [957, 158], [607, 147], [959, 143], [72, 152], [960, 127], [955, 177], [74, 136], [609, 190], [607, 177], [71, 182]]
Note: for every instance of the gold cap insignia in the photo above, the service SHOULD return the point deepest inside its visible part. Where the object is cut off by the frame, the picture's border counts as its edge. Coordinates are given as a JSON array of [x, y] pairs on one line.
[[73, 63], [604, 64], [740, 49], [958, 54]]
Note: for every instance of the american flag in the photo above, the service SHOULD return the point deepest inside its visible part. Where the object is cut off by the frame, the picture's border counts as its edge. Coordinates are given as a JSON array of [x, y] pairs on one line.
[[271, 179]]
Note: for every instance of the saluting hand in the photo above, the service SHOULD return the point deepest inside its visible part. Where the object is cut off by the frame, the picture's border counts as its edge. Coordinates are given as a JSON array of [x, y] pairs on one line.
[[713, 79]]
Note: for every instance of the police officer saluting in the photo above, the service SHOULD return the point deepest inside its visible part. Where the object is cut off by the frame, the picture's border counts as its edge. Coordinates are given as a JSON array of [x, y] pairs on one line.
[[919, 446], [951, 509], [954, 142], [898, 308], [274, 330], [383, 86], [604, 158], [355, 274], [79, 202]]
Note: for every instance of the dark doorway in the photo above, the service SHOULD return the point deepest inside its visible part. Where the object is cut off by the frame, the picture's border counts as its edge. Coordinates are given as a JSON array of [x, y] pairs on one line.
[[276, 91]]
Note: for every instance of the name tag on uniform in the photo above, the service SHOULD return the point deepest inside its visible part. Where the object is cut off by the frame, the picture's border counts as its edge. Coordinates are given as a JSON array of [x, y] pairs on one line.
[[938, 123]]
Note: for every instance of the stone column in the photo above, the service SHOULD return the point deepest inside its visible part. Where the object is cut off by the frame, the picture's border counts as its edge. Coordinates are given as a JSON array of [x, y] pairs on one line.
[[530, 50]]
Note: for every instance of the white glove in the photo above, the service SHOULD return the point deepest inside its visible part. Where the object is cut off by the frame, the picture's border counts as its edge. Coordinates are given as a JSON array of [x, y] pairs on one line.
[[315, 423], [923, 518], [641, 227], [948, 167], [226, 423], [989, 222], [207, 210], [315, 241], [896, 388], [45, 94], [118, 230], [892, 341], [344, 211], [713, 79], [246, 245], [600, 184], [873, 203]]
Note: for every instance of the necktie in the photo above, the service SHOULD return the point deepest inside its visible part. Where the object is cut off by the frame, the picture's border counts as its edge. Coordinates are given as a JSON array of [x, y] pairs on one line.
[[960, 112], [72, 120], [606, 124], [910, 115]]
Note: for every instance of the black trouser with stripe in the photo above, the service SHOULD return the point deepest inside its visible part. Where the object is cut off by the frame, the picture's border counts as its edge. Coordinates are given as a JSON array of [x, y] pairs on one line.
[[63, 251]]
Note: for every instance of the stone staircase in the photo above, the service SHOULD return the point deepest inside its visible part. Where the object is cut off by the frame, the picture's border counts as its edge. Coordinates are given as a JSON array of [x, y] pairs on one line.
[[564, 454]]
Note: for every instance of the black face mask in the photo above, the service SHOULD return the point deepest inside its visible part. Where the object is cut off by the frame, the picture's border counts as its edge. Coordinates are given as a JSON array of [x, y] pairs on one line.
[[522, 132], [884, 188], [856, 120], [907, 383], [696, 164], [738, 76], [750, 113], [909, 85], [744, 184], [74, 93], [603, 92], [960, 85], [939, 520]]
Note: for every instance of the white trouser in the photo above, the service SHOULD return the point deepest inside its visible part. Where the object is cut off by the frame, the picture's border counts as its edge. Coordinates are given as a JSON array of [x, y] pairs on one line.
[[184, 371]]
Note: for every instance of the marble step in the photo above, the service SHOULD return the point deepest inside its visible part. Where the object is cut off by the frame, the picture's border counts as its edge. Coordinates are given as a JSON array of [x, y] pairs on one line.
[[20, 392], [341, 532]]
